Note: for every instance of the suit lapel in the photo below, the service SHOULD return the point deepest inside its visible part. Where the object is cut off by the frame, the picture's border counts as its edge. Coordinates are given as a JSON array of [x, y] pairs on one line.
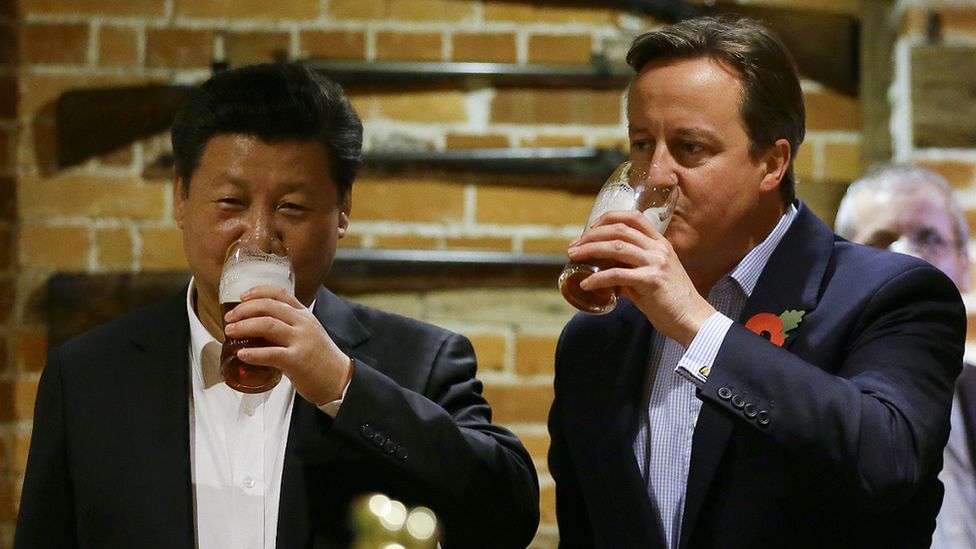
[[161, 386], [604, 406], [791, 280], [306, 447]]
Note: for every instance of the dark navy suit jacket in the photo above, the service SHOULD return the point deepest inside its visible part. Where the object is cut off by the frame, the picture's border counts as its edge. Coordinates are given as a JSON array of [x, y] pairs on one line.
[[846, 422], [109, 462]]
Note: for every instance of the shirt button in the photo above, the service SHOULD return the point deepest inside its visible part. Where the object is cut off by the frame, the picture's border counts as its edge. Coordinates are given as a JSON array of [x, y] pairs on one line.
[[249, 411], [249, 482]]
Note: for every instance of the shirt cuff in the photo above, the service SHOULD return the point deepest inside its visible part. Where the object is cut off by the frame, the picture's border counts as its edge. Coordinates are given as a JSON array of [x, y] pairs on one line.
[[696, 363], [332, 408]]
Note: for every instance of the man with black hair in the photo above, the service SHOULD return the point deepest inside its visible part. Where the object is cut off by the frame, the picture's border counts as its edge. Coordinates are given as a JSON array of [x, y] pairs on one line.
[[136, 441], [763, 383]]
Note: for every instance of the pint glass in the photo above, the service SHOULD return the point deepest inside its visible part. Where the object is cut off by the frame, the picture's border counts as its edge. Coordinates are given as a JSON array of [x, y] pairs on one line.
[[634, 185], [248, 265]]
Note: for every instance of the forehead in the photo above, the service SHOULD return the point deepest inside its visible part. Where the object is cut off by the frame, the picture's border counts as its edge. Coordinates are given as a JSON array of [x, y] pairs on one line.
[[903, 209], [696, 80], [249, 159]]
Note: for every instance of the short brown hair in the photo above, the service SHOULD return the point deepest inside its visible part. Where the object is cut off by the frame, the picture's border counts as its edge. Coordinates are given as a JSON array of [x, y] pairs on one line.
[[772, 102]]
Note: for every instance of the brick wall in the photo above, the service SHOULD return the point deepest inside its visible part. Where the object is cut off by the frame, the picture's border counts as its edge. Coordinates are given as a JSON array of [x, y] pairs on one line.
[[103, 216]]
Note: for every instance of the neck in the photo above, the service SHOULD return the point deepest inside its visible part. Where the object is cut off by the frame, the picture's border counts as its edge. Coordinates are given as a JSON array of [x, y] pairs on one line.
[[763, 223]]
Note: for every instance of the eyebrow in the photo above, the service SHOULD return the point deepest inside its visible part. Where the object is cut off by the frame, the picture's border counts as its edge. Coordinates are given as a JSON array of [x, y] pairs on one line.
[[694, 132], [287, 186]]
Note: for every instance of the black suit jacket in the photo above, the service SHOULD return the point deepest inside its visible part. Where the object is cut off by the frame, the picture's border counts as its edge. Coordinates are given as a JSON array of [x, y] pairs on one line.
[[109, 459], [833, 440]]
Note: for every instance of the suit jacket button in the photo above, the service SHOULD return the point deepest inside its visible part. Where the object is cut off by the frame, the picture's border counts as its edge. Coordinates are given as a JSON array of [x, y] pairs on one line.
[[724, 393], [762, 418], [366, 431], [750, 410], [738, 401], [389, 447], [401, 453], [379, 439]]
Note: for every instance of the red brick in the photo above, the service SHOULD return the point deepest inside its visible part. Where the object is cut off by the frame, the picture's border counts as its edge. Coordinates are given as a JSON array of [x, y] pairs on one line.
[[9, 43], [553, 141], [6, 150], [842, 162], [93, 7], [119, 158], [9, 498], [546, 245], [7, 297], [64, 248], [407, 200], [9, 96], [958, 174], [499, 244], [485, 47], [114, 248], [17, 399], [18, 456], [467, 141], [541, 12], [535, 354], [405, 242], [520, 205], [592, 107], [519, 403], [162, 249], [90, 196], [537, 445], [357, 9], [307, 10], [829, 110], [547, 504], [409, 46], [246, 48], [31, 349], [55, 43], [430, 10], [433, 105], [560, 49], [179, 48], [490, 350], [117, 46], [334, 44]]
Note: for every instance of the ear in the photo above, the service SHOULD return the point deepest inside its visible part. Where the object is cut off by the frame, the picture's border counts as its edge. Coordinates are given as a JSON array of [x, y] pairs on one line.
[[179, 200], [345, 207], [964, 269], [775, 162]]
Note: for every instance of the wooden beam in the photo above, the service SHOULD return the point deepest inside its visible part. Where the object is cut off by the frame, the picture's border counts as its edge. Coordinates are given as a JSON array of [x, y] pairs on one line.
[[879, 31]]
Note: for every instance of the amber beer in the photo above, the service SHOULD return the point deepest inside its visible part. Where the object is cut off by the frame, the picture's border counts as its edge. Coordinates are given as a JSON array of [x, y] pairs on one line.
[[245, 268], [636, 185]]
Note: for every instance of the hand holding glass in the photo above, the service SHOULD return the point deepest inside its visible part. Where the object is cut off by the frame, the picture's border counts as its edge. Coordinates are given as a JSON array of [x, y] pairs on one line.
[[248, 265], [636, 185]]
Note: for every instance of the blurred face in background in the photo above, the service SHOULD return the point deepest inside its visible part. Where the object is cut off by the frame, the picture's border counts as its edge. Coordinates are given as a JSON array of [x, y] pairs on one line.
[[914, 220]]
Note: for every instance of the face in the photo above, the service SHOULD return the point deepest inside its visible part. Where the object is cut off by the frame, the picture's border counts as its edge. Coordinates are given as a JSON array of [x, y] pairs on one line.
[[684, 116], [916, 221], [244, 187]]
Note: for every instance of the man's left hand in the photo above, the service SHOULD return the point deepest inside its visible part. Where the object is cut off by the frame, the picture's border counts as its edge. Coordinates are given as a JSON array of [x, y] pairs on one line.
[[300, 346]]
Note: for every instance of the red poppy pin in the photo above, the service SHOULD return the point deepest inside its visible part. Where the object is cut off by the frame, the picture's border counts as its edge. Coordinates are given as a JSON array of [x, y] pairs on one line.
[[775, 328]]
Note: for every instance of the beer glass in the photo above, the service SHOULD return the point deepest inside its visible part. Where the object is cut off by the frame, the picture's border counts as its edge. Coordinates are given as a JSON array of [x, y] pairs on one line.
[[249, 264], [634, 185]]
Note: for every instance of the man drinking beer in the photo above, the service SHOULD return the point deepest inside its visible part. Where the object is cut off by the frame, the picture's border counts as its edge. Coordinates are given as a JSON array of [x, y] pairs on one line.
[[763, 383], [138, 442]]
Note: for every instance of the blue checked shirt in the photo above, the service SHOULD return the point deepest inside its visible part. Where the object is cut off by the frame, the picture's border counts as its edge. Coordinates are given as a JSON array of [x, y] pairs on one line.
[[663, 443]]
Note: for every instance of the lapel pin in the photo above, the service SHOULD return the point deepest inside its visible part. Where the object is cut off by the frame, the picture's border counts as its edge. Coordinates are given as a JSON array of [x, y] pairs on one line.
[[775, 328]]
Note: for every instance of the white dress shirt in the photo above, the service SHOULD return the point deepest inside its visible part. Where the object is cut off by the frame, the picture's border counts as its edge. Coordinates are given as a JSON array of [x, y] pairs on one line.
[[237, 450], [664, 439]]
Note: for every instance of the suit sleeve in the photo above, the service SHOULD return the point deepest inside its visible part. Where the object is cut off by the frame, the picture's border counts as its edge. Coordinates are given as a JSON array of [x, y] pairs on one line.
[[879, 417], [480, 479], [47, 517]]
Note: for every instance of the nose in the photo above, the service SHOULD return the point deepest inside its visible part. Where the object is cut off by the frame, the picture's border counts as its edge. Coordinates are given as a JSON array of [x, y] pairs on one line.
[[259, 229]]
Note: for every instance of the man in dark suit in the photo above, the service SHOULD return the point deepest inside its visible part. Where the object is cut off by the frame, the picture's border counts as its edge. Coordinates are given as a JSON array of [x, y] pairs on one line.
[[763, 383], [909, 209], [136, 441]]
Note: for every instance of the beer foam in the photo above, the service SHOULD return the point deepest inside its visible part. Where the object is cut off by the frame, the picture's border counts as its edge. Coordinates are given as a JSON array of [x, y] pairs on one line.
[[612, 197], [241, 277]]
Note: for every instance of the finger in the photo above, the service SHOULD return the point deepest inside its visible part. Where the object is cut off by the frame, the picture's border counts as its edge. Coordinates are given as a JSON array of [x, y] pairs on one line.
[[632, 218], [270, 291], [622, 277], [271, 329], [264, 307], [274, 356], [617, 231], [616, 252]]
